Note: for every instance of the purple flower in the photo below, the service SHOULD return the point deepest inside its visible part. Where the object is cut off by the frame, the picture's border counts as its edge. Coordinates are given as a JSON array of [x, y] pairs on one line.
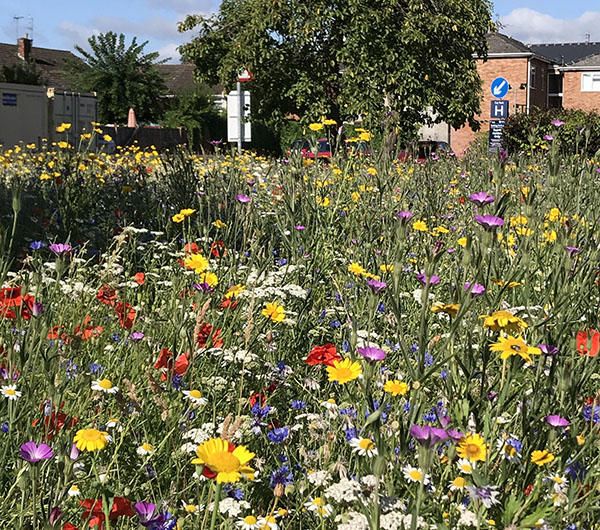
[[136, 335], [204, 287], [427, 435], [455, 435], [145, 510], [557, 123], [60, 248], [554, 420], [489, 222], [571, 251], [433, 280], [376, 285], [32, 453], [476, 290], [243, 198], [481, 198], [37, 309], [300, 227], [55, 515], [547, 349], [404, 215], [372, 354], [548, 137], [216, 142], [74, 454]]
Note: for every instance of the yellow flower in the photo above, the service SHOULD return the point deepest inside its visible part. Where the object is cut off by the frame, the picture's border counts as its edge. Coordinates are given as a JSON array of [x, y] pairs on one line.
[[462, 241], [355, 196], [315, 126], [472, 447], [234, 290], [45, 176], [197, 262], [344, 371], [107, 138], [503, 321], [228, 466], [357, 269], [91, 439], [63, 145], [541, 457], [60, 129], [209, 278], [371, 170], [219, 224], [187, 211], [510, 285], [519, 220], [580, 439], [420, 226], [511, 346], [449, 309], [365, 136], [178, 218], [396, 387], [550, 236], [273, 311], [523, 231], [323, 201], [386, 268], [329, 122], [554, 214]]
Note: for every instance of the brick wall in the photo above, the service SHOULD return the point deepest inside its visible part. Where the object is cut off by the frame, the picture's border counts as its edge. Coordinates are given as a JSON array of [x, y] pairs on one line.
[[574, 98]]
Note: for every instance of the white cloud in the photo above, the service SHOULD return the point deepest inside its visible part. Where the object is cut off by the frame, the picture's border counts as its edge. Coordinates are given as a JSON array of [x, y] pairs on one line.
[[156, 26], [170, 52], [76, 34], [187, 6], [530, 26]]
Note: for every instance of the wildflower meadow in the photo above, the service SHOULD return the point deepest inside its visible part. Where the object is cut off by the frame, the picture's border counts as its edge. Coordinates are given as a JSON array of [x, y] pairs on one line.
[[237, 342]]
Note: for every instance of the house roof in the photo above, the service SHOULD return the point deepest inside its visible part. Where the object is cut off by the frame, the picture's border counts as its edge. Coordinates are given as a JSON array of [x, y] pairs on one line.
[[565, 53], [178, 77], [590, 60], [500, 44], [51, 63]]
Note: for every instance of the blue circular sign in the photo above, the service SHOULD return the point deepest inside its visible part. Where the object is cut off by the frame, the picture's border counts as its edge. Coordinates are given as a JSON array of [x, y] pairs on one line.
[[499, 87]]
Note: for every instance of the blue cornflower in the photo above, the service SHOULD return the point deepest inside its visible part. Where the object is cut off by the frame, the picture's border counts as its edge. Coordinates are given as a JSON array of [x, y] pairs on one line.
[[279, 435], [259, 411], [429, 416], [70, 369], [428, 359], [381, 307], [282, 458], [281, 262], [281, 366], [177, 382], [350, 434], [4, 427], [590, 414], [350, 412], [115, 337], [283, 476], [444, 374], [335, 324], [36, 245], [407, 407], [346, 346], [414, 347], [233, 492], [298, 404], [96, 368]]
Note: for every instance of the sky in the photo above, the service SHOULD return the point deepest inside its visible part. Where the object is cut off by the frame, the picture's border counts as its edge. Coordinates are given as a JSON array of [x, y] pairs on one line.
[[62, 24]]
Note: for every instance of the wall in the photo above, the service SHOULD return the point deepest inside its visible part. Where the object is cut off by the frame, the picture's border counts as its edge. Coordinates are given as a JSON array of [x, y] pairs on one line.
[[539, 90], [515, 71], [574, 98], [23, 114]]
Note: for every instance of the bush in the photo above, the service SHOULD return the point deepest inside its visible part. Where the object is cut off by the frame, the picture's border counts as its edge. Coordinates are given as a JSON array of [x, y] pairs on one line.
[[579, 134]]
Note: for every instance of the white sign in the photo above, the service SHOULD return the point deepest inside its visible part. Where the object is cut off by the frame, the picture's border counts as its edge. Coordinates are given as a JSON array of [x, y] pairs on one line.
[[246, 75], [233, 120]]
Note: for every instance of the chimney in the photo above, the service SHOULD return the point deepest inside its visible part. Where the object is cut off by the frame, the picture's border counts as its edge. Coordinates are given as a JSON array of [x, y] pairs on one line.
[[24, 47]]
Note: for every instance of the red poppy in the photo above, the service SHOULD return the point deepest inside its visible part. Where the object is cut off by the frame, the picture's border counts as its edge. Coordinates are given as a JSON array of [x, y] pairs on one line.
[[217, 249], [204, 336], [69, 526], [191, 248], [107, 295], [528, 490], [93, 510], [126, 315], [10, 297], [209, 473], [325, 354], [53, 333], [583, 340], [88, 331], [140, 278], [165, 362], [54, 422], [229, 303], [258, 397]]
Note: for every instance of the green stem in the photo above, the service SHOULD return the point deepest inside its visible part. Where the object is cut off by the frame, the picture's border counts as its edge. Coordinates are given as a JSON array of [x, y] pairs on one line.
[[213, 520]]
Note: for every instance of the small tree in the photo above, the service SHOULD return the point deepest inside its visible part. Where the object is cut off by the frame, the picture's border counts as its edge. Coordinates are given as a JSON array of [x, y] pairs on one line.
[[123, 77], [22, 73]]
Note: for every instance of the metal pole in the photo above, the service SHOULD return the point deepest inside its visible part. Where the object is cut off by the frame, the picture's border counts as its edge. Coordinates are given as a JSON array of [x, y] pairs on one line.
[[241, 116]]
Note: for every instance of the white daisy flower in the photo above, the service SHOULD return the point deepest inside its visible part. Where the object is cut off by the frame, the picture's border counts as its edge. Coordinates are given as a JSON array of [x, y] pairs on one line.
[[414, 474], [319, 506], [74, 491], [363, 446], [104, 385], [459, 483], [268, 521], [465, 466], [145, 449], [10, 392], [248, 523], [190, 508], [195, 396]]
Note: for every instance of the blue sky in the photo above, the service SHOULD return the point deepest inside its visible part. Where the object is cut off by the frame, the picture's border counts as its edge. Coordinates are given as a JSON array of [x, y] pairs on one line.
[[62, 24]]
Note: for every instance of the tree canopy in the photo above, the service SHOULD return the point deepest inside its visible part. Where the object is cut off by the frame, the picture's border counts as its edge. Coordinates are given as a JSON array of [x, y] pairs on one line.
[[345, 58], [123, 76]]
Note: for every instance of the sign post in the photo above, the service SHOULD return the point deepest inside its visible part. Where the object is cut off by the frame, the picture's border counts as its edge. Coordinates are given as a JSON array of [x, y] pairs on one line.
[[246, 75]]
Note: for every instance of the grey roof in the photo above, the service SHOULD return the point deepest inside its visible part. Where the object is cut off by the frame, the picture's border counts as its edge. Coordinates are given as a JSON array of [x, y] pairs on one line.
[[51, 63], [590, 60], [499, 43], [177, 77], [566, 52]]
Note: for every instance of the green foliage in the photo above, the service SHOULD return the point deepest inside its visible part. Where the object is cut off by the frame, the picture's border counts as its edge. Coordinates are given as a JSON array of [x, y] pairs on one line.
[[346, 58], [22, 73], [124, 78], [194, 110], [579, 134]]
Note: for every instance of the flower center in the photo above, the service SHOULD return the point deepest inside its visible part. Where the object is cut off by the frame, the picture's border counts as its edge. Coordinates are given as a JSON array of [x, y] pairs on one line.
[[10, 391], [472, 450], [459, 482], [223, 462], [191, 508], [250, 519], [196, 394], [366, 444], [105, 383], [344, 373], [415, 474]]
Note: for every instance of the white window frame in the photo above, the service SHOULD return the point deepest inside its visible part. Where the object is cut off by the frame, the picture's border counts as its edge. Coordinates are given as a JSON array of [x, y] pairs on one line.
[[594, 79]]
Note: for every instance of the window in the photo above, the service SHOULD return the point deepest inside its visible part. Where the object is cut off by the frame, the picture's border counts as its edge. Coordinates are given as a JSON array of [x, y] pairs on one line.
[[590, 82], [532, 77]]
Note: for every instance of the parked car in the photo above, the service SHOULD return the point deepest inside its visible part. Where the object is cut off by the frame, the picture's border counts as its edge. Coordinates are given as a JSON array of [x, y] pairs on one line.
[[302, 146]]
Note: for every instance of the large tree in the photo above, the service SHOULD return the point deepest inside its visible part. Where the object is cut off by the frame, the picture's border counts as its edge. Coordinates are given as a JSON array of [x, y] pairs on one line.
[[344, 58], [123, 76]]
